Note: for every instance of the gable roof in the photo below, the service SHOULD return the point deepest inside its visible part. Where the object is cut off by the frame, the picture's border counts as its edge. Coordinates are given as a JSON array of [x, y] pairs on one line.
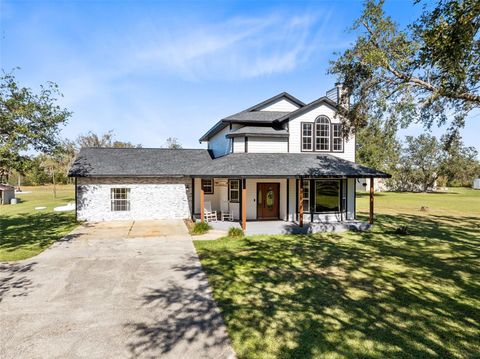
[[325, 100], [253, 114], [157, 162], [275, 98]]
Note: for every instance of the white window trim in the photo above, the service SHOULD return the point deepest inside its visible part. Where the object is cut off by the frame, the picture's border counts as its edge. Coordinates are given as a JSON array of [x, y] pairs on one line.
[[329, 134], [114, 202], [312, 129]]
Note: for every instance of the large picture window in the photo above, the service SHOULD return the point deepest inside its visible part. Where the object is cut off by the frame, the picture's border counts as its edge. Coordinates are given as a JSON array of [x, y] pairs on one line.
[[327, 195], [234, 190], [207, 186], [307, 136], [322, 134], [337, 137], [120, 199]]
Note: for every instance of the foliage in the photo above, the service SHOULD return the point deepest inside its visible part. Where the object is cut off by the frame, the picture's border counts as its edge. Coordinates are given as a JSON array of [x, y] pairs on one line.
[[421, 73], [372, 294], [200, 228], [25, 232], [107, 139], [173, 144], [28, 121], [377, 146], [235, 232], [424, 160]]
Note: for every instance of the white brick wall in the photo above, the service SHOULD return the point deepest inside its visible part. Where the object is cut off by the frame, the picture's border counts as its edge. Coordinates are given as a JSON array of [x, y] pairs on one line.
[[150, 198]]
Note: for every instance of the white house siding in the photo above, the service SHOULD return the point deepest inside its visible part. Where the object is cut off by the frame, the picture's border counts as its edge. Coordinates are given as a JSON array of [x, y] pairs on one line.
[[150, 198], [238, 145], [220, 144], [283, 105], [251, 200], [267, 145], [310, 116]]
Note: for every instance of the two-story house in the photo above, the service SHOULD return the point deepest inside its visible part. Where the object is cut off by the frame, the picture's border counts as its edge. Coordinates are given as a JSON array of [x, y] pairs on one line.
[[281, 159]]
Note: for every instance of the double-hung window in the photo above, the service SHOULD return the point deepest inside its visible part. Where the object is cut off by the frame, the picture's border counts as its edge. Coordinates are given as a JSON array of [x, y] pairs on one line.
[[306, 195], [234, 190], [120, 199], [307, 136], [322, 134], [208, 186], [337, 137]]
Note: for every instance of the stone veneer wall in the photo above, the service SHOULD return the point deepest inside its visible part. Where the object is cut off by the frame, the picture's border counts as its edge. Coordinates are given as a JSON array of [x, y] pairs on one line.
[[150, 198]]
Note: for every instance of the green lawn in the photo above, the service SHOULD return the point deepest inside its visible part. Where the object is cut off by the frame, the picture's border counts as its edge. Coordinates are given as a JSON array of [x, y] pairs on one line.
[[376, 294], [25, 232]]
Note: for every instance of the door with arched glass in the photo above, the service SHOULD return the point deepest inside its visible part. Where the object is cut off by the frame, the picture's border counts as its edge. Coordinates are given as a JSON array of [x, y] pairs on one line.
[[268, 200]]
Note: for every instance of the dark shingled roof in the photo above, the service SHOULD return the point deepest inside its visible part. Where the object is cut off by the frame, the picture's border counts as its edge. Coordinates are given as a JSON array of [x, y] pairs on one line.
[[91, 162], [121, 162], [256, 116], [259, 131]]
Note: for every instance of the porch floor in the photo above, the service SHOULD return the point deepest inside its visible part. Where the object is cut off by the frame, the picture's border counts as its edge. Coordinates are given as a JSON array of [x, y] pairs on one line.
[[284, 227]]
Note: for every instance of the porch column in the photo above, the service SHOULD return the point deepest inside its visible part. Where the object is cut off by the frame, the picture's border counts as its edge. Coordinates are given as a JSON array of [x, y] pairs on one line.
[[370, 219], [244, 204], [202, 203], [300, 202]]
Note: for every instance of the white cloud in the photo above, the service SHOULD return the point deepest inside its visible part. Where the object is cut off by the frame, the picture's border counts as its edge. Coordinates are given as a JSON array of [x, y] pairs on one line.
[[235, 48]]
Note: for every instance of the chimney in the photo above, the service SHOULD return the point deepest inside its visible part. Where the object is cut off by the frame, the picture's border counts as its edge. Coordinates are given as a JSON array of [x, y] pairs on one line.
[[336, 93]]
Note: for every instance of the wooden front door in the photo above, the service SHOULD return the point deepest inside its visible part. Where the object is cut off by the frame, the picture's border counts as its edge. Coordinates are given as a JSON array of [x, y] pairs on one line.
[[268, 200]]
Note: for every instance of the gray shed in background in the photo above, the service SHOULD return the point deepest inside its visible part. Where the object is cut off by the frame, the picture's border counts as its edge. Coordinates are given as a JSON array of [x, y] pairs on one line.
[[7, 193]]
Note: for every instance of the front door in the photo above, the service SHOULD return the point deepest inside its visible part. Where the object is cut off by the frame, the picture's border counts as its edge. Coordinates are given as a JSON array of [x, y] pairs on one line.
[[268, 204]]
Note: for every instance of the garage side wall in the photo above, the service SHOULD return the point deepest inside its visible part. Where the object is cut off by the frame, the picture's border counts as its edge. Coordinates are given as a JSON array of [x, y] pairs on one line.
[[150, 198]]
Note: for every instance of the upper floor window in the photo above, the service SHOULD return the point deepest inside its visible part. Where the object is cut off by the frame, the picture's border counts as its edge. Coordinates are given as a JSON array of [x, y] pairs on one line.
[[337, 137], [120, 199], [307, 136], [322, 134], [207, 186]]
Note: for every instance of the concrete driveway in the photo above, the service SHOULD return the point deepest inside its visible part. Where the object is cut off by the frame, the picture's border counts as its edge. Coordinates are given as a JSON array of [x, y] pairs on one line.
[[112, 290]]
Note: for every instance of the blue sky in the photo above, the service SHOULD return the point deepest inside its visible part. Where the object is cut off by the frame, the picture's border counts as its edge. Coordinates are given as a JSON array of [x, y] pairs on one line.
[[156, 69]]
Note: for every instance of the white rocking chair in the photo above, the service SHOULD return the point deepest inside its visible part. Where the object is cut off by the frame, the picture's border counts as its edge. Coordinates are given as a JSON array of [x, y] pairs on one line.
[[208, 214], [227, 215]]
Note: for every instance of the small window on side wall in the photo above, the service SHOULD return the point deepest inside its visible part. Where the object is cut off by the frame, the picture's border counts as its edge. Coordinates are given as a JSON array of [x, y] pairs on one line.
[[207, 186], [234, 190], [120, 199]]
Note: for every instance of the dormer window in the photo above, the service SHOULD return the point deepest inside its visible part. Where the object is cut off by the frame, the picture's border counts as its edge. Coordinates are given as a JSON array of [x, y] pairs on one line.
[[322, 134]]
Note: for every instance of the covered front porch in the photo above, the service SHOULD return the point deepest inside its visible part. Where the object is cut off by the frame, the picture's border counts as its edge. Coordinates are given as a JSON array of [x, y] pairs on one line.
[[277, 204]]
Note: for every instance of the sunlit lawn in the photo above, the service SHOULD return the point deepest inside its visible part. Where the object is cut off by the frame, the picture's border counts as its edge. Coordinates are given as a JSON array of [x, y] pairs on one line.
[[376, 294], [24, 231]]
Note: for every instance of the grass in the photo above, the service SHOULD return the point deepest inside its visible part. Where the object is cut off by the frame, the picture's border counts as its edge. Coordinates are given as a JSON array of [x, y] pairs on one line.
[[375, 294], [24, 231]]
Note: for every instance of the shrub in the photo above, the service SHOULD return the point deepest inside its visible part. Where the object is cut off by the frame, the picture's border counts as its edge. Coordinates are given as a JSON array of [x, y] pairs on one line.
[[403, 230], [200, 228], [235, 232]]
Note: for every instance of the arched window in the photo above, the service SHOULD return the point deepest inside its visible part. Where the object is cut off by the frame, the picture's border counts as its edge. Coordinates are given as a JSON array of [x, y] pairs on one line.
[[322, 134]]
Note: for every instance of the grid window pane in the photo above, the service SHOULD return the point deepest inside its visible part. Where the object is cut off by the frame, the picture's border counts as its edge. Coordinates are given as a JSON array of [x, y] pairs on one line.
[[306, 196], [337, 137], [207, 186], [307, 136], [322, 134], [234, 190], [120, 199]]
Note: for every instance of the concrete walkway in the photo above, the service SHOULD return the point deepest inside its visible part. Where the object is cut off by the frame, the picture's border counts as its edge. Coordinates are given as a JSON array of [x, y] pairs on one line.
[[107, 291]]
